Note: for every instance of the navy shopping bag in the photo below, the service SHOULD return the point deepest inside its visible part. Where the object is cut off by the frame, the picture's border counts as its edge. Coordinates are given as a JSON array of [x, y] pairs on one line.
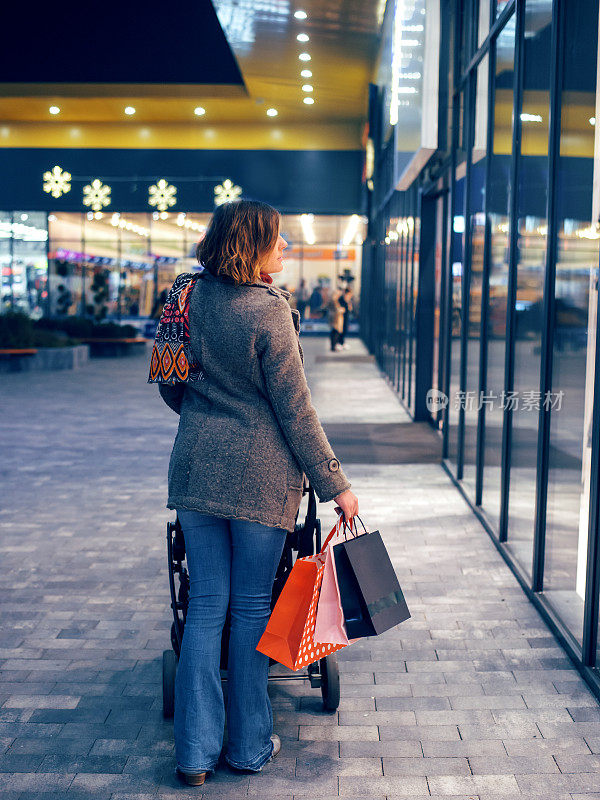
[[370, 594]]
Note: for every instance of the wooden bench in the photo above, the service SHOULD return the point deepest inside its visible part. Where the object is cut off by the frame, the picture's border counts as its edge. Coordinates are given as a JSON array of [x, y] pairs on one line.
[[17, 351]]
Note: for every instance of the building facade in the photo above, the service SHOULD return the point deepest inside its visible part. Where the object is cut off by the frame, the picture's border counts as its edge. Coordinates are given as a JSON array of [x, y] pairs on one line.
[[483, 248], [110, 165]]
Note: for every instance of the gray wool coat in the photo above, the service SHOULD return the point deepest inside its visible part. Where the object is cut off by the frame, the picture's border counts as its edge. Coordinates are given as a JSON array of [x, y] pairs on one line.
[[248, 432]]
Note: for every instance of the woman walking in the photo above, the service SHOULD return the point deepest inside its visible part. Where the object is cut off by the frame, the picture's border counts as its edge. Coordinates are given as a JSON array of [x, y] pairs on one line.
[[247, 435], [336, 320]]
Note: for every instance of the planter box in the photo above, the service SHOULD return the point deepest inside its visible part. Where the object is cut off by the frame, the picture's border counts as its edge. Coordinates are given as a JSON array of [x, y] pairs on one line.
[[44, 358]]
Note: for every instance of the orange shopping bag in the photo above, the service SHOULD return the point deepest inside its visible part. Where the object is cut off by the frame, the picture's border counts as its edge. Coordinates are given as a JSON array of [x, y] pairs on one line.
[[288, 637]]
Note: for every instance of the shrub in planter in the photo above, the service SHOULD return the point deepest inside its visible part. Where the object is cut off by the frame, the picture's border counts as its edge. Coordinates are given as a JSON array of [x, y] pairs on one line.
[[16, 330], [75, 327], [82, 328]]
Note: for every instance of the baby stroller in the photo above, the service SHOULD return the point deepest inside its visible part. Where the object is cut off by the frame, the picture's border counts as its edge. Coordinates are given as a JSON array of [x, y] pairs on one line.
[[305, 540]]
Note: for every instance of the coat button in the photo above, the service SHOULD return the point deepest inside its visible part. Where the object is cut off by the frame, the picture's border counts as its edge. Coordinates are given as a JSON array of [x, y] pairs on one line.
[[334, 465]]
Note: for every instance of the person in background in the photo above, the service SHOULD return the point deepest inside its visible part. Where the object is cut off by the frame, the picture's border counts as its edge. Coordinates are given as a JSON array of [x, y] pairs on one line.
[[336, 320], [316, 302], [159, 304], [346, 303], [302, 297]]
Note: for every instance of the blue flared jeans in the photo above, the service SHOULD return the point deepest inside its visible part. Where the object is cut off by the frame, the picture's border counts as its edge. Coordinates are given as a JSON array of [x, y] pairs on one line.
[[231, 563]]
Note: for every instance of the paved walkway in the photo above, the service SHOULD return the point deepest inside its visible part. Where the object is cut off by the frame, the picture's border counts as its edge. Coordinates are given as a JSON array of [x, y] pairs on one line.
[[471, 698]]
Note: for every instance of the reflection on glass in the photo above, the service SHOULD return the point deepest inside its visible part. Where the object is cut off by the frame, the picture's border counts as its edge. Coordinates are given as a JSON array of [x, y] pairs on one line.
[[456, 237], [438, 296], [414, 283], [24, 262], [500, 4], [129, 259], [484, 21], [575, 323], [473, 400], [532, 226], [498, 192]]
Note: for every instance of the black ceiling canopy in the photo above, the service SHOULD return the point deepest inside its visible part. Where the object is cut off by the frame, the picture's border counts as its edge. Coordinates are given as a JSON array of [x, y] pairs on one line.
[[136, 41]]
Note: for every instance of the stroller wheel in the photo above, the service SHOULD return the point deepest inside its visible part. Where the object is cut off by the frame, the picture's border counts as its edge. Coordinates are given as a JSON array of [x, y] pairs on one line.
[[330, 682], [169, 670]]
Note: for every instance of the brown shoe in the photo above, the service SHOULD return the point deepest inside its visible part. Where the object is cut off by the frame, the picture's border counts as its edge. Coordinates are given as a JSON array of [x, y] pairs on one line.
[[192, 778], [276, 746]]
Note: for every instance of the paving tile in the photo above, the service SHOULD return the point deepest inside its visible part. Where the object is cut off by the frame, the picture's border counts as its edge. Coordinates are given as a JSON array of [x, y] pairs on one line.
[[60, 762], [468, 748], [535, 747], [487, 702], [476, 784], [339, 733], [358, 718], [425, 732], [20, 762], [414, 786], [425, 766], [393, 749], [511, 765], [266, 785], [578, 763], [473, 682], [35, 781], [323, 766], [42, 701], [495, 731]]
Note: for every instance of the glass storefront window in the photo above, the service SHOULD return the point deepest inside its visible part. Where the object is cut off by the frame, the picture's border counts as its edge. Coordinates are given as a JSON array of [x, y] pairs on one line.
[[455, 236], [439, 296], [532, 227], [118, 264], [498, 198], [472, 399], [484, 21], [575, 321], [24, 261]]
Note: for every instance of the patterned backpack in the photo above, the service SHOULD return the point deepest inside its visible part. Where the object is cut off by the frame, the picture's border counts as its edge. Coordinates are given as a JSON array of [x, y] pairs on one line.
[[172, 360]]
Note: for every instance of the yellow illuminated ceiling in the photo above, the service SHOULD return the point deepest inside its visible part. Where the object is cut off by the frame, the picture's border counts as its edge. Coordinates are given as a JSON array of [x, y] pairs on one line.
[[342, 44]]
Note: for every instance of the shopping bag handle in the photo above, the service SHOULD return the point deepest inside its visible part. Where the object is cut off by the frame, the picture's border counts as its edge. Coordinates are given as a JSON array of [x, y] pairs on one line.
[[336, 530]]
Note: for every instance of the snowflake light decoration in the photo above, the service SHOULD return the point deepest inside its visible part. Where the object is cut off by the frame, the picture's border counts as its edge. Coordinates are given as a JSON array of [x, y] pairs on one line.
[[96, 195], [162, 195], [57, 182], [226, 192]]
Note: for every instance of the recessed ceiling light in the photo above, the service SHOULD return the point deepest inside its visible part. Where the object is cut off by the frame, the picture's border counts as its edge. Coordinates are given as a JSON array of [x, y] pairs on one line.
[[309, 101], [300, 14], [199, 111], [303, 37], [306, 73], [304, 56], [271, 112], [54, 110], [307, 87], [129, 110]]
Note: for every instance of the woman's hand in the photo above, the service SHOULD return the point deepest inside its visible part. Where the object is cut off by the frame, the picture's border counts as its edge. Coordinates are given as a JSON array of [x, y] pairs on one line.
[[347, 504]]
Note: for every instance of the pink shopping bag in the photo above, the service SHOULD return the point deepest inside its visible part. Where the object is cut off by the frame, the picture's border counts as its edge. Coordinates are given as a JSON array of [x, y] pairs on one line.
[[329, 625]]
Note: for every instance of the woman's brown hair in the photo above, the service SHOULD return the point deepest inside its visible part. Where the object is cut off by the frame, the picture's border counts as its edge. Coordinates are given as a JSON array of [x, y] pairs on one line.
[[238, 236]]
